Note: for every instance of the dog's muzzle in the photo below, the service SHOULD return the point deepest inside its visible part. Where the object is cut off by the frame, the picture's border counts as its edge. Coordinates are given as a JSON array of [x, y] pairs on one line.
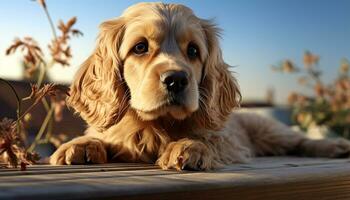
[[175, 83]]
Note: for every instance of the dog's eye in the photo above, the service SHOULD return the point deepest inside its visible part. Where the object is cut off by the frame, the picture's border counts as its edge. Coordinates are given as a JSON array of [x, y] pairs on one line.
[[192, 51], [140, 48]]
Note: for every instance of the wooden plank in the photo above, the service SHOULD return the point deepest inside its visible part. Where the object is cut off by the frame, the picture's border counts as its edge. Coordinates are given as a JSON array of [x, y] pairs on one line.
[[263, 178]]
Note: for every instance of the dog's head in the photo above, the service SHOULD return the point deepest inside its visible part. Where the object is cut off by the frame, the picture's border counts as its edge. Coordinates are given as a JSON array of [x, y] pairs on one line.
[[159, 60]]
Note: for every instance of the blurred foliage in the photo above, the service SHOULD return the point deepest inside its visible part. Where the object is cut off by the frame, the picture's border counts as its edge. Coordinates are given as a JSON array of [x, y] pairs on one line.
[[328, 104], [13, 150], [12, 145]]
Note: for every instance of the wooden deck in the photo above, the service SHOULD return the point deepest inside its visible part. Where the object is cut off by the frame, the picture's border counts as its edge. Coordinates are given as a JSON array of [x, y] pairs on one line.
[[264, 178]]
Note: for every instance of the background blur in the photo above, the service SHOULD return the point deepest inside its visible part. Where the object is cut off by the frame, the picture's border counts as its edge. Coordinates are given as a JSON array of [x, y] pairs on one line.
[[256, 35]]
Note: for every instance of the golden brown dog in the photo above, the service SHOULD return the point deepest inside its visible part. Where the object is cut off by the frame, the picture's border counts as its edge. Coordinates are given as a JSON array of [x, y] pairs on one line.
[[157, 90]]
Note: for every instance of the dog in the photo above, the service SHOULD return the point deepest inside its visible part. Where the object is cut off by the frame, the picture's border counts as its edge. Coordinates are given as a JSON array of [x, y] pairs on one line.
[[157, 90]]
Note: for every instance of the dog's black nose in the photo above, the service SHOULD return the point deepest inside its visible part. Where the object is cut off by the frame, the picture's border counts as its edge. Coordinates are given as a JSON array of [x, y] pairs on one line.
[[175, 81]]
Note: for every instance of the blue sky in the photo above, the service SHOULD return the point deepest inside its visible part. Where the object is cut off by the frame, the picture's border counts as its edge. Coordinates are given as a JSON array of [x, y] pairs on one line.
[[257, 34]]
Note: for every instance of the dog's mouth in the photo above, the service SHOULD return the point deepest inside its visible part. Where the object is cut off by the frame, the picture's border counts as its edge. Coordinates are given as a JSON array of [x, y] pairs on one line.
[[176, 110]]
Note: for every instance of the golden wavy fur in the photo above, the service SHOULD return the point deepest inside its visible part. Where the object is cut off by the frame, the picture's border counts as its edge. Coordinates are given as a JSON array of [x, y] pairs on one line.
[[136, 116]]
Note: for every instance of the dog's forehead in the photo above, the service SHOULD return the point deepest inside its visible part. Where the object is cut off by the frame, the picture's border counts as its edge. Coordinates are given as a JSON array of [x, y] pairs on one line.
[[157, 19], [167, 12], [161, 23], [156, 7]]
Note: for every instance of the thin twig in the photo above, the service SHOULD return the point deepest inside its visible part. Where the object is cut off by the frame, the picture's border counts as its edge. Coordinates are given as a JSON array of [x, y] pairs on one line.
[[51, 23], [42, 72], [49, 108], [18, 110], [42, 129], [46, 105], [49, 128]]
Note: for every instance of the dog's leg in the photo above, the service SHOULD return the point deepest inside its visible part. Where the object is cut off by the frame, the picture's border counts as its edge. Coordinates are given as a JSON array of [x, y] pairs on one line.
[[269, 137], [81, 150]]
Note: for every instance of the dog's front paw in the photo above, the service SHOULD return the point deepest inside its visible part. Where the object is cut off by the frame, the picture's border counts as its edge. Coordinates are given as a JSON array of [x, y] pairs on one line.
[[82, 150], [186, 154]]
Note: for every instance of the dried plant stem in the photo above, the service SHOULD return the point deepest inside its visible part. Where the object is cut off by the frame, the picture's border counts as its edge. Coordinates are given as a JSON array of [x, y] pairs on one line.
[[49, 108], [49, 128], [46, 105], [29, 109], [42, 72], [51, 23], [43, 100], [18, 110], [42, 129]]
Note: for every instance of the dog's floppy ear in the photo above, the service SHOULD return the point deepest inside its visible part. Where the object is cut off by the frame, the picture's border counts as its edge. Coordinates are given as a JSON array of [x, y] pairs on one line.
[[219, 91], [97, 92]]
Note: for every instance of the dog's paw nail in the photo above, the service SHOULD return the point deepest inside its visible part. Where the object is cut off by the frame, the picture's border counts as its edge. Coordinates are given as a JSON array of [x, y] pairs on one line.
[[183, 167]]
